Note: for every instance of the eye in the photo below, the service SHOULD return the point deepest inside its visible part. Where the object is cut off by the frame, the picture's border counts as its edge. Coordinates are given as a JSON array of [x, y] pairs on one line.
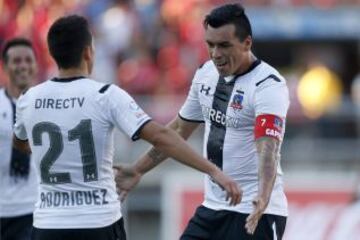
[[16, 60], [210, 44], [28, 60], [225, 45]]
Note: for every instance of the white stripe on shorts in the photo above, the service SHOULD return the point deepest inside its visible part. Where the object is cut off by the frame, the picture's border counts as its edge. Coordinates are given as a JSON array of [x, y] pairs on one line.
[[274, 230]]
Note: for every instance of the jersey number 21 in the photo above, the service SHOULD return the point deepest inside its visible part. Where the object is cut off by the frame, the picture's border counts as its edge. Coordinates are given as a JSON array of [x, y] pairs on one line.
[[83, 133]]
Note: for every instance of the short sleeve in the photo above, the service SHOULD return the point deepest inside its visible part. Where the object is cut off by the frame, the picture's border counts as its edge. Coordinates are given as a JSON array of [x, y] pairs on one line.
[[125, 113], [191, 109], [272, 97], [19, 127]]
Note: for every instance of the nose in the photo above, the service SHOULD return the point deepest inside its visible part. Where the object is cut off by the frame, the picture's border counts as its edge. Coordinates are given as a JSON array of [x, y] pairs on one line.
[[216, 52], [23, 65]]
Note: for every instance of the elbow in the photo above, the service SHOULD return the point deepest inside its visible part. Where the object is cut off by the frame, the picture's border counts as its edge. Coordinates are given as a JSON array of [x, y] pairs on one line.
[[162, 138]]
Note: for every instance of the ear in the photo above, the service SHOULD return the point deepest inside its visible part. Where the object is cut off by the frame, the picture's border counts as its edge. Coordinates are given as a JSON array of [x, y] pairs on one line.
[[87, 54], [248, 43], [36, 67], [4, 66]]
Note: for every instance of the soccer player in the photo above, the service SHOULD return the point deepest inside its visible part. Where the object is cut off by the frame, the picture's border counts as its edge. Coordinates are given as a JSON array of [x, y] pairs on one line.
[[243, 102], [68, 122], [18, 181]]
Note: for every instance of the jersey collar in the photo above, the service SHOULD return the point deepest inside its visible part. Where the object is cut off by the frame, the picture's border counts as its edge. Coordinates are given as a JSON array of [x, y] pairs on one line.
[[64, 80], [252, 67]]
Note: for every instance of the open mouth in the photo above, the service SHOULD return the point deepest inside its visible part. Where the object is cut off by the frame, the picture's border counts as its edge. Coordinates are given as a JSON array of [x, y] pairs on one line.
[[220, 65]]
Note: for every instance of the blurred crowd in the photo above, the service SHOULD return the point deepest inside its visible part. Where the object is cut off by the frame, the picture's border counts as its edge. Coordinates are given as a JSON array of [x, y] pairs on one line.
[[146, 46]]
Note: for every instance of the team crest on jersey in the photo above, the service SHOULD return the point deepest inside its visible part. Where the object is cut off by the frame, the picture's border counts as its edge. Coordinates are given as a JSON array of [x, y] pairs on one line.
[[236, 103]]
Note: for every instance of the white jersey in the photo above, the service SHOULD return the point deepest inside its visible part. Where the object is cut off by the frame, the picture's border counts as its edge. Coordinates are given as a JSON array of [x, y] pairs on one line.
[[229, 107], [18, 192], [69, 124]]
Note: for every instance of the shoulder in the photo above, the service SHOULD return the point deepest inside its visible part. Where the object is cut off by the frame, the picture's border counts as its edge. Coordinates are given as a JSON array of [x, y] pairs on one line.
[[38, 87], [94, 89], [268, 76], [111, 95], [207, 67], [90, 84], [34, 90], [205, 71], [100, 88], [110, 90], [2, 94]]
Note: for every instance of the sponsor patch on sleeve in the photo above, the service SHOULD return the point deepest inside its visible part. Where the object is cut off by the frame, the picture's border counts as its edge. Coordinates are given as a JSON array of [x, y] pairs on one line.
[[136, 110], [268, 125]]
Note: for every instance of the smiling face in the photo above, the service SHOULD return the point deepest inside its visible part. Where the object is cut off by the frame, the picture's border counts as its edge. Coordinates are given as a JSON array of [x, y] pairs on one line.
[[20, 66], [229, 54]]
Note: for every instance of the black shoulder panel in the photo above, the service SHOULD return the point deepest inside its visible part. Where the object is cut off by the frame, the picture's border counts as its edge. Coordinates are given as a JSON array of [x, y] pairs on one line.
[[201, 65], [23, 92], [104, 88], [272, 76]]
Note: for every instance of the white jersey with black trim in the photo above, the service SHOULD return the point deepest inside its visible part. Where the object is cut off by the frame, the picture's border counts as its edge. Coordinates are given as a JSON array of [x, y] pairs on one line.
[[69, 124], [229, 107], [18, 194]]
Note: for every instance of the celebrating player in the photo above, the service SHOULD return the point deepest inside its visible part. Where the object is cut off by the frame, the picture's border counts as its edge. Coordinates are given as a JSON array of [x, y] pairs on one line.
[[18, 180], [68, 121], [243, 102]]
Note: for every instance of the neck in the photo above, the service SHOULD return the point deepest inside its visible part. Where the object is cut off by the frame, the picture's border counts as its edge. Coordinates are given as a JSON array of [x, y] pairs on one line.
[[73, 72], [248, 61], [14, 91]]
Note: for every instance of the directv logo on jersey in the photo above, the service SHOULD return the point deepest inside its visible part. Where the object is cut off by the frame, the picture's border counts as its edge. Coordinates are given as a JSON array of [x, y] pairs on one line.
[[50, 103], [237, 100], [220, 118]]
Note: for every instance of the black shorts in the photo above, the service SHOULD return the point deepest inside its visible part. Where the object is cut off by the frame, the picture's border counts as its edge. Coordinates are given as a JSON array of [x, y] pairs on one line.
[[208, 224], [16, 228], [115, 231]]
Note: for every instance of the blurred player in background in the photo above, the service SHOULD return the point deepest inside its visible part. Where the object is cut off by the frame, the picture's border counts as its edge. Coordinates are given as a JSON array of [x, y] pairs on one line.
[[18, 184], [243, 102], [68, 122]]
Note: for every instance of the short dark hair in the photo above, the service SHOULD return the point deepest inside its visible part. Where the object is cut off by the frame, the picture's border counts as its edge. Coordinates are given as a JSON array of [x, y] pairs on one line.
[[67, 38], [230, 14], [14, 42]]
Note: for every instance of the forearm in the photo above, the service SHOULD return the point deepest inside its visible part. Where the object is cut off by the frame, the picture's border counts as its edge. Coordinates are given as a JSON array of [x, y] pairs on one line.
[[150, 160], [267, 153], [173, 145], [155, 156]]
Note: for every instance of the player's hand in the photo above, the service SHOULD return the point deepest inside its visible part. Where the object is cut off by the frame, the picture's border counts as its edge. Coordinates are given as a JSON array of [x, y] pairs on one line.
[[126, 179], [253, 219], [233, 191]]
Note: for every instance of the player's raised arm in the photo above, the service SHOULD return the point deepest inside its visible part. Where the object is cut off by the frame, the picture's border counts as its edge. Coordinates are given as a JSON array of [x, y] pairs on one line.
[[167, 141]]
